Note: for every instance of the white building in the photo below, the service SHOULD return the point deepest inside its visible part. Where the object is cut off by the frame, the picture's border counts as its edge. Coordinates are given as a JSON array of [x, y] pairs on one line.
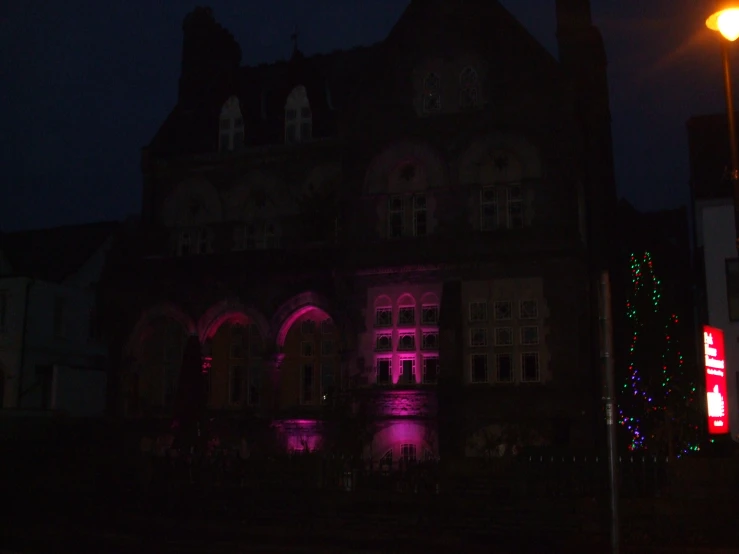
[[716, 251], [50, 356]]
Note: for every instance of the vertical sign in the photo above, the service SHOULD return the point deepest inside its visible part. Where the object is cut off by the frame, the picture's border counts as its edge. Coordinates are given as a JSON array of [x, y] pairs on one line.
[[713, 348]]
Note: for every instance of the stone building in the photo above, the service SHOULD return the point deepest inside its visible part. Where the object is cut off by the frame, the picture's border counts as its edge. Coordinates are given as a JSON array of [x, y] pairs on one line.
[[413, 229]]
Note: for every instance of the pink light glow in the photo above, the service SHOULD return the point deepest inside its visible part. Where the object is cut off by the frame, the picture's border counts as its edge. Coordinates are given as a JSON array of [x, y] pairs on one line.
[[300, 435], [399, 433], [207, 364], [295, 316], [210, 329]]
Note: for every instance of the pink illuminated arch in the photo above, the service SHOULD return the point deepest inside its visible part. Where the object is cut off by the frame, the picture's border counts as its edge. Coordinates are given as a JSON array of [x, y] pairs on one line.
[[406, 301], [383, 301], [162, 311], [295, 308], [429, 299], [230, 312], [397, 433]]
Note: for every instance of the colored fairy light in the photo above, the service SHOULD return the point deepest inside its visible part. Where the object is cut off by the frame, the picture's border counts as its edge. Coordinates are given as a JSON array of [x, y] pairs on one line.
[[658, 386]]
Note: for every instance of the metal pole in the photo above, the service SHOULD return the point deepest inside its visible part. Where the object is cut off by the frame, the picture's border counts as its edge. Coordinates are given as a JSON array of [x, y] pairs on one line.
[[732, 134], [609, 398]]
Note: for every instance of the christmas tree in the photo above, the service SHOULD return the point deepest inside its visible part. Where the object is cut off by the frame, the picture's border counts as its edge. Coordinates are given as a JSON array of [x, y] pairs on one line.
[[657, 407]]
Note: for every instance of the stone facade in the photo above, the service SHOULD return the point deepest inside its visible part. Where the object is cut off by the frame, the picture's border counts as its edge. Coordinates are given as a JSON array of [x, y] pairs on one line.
[[397, 227]]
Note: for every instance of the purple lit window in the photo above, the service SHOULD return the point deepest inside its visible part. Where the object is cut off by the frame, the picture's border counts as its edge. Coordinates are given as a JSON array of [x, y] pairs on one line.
[[407, 342], [478, 311], [479, 363], [384, 317], [430, 370], [384, 343], [430, 315], [504, 368], [530, 367], [407, 316], [383, 371], [408, 371], [503, 336], [408, 452]]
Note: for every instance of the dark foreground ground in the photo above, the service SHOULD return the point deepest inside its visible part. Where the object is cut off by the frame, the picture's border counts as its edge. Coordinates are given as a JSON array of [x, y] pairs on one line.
[[231, 520]]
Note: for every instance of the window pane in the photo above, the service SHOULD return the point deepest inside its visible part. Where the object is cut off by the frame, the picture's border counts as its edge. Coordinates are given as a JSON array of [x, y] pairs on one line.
[[290, 115], [383, 372]]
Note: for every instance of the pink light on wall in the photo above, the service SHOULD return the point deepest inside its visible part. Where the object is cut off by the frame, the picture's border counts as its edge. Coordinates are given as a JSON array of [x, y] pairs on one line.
[[396, 434], [207, 364], [295, 316], [715, 368], [300, 435]]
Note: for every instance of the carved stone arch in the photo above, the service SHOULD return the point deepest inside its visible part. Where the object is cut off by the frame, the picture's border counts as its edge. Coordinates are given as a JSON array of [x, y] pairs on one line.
[[297, 306], [478, 152], [258, 194], [430, 299], [383, 301], [232, 311], [418, 163], [193, 202], [406, 300], [161, 311]]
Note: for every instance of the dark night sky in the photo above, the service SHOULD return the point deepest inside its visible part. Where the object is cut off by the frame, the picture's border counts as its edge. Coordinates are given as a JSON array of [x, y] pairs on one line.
[[86, 84]]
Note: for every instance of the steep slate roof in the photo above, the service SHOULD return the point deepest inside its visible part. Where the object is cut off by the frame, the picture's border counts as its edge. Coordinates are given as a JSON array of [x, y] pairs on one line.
[[54, 254], [331, 79]]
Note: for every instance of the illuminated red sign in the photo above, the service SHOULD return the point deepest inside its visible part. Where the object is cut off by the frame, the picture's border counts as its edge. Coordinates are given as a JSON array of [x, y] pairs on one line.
[[713, 348]]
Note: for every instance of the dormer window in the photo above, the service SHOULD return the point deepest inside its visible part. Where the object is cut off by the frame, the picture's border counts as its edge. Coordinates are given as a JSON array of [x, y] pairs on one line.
[[431, 94], [469, 88], [231, 134], [298, 117]]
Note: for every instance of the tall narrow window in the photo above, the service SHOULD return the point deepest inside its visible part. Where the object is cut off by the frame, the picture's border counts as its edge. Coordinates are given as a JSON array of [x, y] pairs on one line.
[[193, 241], [395, 217], [383, 371], [419, 215], [408, 371], [231, 135], [59, 305], [431, 93], [469, 88], [298, 117], [306, 388]]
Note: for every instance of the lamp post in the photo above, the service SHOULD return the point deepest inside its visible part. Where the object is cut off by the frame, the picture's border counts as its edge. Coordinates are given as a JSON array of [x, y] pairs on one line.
[[726, 22]]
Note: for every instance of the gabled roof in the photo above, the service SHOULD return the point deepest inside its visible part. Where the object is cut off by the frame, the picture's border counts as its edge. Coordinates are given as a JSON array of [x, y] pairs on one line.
[[56, 253], [332, 79]]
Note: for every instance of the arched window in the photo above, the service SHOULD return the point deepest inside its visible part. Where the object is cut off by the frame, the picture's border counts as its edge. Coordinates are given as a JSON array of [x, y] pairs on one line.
[[469, 88], [231, 135], [431, 93], [298, 117]]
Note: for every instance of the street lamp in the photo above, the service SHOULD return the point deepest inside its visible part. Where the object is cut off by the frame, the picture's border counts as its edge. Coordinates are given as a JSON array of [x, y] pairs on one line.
[[726, 22]]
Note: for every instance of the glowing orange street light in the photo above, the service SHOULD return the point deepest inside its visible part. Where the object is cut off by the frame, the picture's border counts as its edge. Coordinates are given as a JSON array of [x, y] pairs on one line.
[[726, 22]]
